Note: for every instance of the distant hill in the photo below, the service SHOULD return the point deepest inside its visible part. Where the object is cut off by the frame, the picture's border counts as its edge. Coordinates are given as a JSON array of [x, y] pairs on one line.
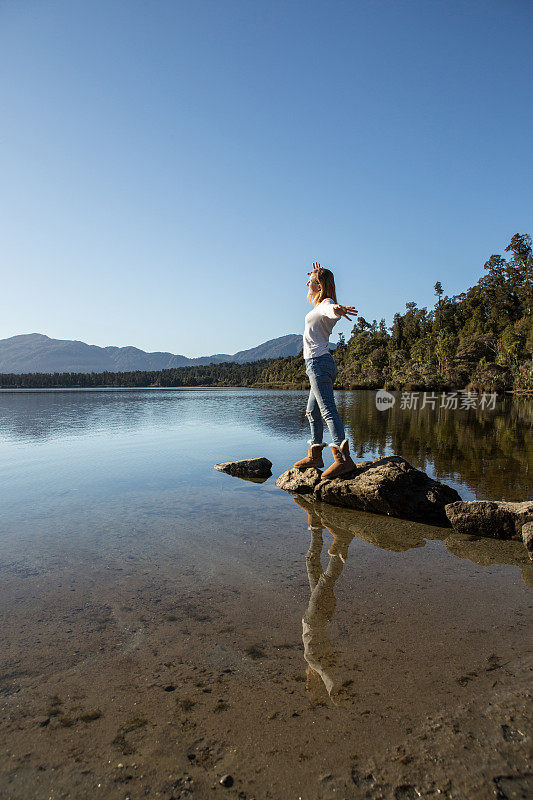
[[35, 352]]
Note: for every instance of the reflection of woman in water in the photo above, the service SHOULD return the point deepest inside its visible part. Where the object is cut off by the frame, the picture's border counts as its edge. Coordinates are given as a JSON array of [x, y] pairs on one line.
[[322, 371], [318, 650]]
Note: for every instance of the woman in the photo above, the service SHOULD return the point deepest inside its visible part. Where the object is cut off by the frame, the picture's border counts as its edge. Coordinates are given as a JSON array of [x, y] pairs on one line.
[[322, 371]]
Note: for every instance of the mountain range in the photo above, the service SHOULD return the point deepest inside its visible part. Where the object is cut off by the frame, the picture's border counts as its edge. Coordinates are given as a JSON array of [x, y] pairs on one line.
[[35, 352]]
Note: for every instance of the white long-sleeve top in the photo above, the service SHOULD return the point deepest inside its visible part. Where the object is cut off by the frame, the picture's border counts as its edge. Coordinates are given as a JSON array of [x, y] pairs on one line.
[[318, 326]]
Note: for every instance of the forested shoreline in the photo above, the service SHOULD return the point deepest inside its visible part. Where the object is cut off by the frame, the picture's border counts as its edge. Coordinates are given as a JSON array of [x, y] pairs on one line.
[[225, 374], [479, 340]]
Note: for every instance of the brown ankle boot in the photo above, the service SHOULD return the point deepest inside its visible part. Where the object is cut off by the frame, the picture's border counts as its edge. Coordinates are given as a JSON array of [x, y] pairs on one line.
[[313, 458], [343, 462]]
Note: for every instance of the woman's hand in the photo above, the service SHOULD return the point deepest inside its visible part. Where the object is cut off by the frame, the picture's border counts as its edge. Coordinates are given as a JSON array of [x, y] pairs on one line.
[[344, 311]]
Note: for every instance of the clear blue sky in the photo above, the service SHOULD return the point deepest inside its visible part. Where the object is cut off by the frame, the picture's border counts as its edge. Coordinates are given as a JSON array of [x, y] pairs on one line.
[[170, 169]]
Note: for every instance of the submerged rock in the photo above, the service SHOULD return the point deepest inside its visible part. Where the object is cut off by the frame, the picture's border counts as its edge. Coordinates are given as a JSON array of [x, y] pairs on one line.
[[385, 486], [498, 519], [247, 468]]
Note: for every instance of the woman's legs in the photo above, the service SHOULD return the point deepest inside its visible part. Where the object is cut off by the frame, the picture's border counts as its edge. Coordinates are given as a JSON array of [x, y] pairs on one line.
[[315, 419], [314, 456], [322, 371], [324, 403]]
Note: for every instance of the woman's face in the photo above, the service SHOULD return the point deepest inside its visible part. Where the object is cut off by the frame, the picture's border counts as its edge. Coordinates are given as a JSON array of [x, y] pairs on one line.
[[313, 284]]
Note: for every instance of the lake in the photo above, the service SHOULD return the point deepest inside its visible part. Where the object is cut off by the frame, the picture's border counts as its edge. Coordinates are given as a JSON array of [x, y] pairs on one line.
[[165, 625]]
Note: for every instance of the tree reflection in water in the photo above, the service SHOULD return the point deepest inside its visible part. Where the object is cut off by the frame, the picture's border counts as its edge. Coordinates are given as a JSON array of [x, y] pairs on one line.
[[489, 451]]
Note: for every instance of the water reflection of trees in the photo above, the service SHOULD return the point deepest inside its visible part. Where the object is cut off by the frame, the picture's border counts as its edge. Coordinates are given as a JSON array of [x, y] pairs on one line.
[[489, 450]]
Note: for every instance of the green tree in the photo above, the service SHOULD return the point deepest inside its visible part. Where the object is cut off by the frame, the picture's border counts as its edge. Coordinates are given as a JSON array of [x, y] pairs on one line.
[[438, 291]]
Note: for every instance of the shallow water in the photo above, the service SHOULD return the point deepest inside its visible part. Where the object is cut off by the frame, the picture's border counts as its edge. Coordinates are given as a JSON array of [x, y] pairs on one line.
[[124, 551]]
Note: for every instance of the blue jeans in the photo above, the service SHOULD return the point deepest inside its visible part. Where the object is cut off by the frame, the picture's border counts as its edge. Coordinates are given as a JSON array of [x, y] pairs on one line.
[[322, 371]]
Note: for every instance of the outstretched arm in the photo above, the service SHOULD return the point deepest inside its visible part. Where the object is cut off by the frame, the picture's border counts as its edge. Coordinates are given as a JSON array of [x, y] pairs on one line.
[[336, 311], [344, 311]]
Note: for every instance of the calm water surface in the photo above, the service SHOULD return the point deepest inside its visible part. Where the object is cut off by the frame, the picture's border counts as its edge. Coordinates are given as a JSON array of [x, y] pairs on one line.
[[97, 473], [60, 449]]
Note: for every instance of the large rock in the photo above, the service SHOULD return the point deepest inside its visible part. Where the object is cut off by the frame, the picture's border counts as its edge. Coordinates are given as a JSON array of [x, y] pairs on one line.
[[498, 519], [390, 486], [247, 468], [299, 481], [303, 481], [385, 486]]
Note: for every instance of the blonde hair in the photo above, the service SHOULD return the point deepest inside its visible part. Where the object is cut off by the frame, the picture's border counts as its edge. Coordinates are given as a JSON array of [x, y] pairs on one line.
[[327, 286]]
